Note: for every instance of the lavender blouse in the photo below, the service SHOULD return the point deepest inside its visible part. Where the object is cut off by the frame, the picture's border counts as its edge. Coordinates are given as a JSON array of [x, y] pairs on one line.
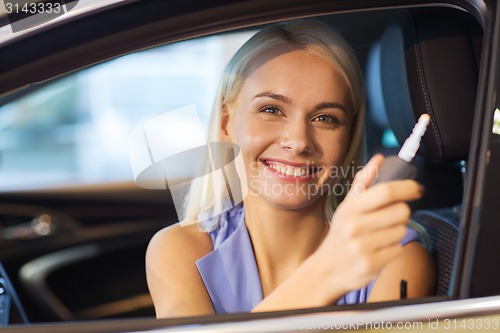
[[230, 272]]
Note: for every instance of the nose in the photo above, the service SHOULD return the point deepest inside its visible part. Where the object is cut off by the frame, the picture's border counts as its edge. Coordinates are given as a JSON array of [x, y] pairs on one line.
[[297, 137]]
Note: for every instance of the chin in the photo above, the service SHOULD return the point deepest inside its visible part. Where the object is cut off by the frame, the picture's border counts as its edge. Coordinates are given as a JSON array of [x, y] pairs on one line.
[[290, 202]]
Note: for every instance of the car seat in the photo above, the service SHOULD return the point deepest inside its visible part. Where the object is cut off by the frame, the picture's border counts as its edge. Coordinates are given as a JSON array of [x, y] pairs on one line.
[[427, 61]]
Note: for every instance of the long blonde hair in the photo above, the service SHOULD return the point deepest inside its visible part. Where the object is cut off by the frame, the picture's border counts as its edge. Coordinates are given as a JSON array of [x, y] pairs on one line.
[[308, 35]]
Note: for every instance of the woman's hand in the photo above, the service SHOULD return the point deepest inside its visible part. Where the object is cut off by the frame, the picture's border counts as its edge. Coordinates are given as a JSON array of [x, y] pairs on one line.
[[364, 237], [366, 230]]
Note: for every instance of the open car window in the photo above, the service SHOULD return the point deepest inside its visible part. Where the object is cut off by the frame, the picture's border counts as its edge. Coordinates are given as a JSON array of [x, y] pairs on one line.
[[76, 223]]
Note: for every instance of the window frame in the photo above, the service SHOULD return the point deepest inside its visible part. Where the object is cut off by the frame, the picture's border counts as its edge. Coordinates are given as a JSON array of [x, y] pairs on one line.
[[105, 41]]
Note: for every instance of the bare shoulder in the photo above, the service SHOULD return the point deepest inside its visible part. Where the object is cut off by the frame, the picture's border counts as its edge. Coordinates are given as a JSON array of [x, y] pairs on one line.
[[173, 278], [416, 266], [181, 242]]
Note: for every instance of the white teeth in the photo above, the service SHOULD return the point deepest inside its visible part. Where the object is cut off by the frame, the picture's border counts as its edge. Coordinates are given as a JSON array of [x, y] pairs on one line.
[[290, 170]]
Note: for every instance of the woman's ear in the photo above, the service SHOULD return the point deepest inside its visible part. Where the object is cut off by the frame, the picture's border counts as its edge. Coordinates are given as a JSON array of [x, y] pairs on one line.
[[224, 124]]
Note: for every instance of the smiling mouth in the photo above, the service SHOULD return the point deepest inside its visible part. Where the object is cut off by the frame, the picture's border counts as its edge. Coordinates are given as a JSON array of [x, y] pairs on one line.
[[292, 170]]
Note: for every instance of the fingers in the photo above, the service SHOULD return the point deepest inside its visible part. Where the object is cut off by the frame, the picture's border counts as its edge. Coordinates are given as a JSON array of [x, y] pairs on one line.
[[369, 261], [381, 194], [378, 229], [390, 216], [385, 238], [384, 194]]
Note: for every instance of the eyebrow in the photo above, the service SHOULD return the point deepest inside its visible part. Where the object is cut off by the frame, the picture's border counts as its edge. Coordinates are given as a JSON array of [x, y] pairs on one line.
[[277, 97], [287, 100], [330, 105]]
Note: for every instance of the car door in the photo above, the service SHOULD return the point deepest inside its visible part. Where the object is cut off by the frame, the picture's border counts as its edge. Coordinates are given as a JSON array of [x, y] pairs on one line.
[[75, 248]]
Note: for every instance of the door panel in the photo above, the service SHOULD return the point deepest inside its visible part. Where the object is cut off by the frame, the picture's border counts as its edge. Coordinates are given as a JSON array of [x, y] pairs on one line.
[[91, 264]]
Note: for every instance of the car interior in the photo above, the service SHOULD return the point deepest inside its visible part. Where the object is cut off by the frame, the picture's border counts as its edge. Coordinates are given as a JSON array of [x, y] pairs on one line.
[[432, 58], [76, 252]]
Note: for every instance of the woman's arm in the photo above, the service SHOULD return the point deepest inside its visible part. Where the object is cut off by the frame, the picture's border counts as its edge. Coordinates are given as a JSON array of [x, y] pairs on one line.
[[173, 279], [416, 266]]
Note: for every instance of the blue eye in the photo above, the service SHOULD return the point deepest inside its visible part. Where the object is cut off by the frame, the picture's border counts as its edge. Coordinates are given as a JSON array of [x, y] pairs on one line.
[[327, 119], [270, 110]]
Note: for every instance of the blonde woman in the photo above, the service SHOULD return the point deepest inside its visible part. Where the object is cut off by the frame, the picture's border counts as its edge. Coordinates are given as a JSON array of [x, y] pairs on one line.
[[292, 100]]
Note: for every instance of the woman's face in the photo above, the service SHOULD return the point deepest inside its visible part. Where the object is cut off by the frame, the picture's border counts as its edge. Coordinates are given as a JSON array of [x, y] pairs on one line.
[[292, 122]]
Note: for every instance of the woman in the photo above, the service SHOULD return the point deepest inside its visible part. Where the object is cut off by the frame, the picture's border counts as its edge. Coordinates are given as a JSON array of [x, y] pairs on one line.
[[292, 100]]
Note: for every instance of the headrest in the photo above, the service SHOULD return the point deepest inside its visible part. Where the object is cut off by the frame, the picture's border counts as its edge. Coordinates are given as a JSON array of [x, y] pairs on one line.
[[429, 63]]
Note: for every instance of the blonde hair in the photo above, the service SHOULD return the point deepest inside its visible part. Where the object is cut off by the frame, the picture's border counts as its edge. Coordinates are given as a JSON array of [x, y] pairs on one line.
[[308, 35]]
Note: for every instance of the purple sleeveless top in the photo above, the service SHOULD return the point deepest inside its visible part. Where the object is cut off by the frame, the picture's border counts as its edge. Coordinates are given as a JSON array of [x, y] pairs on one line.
[[230, 271]]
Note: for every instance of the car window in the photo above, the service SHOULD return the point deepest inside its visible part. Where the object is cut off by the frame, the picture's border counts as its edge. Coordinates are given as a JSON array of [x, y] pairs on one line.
[[75, 129]]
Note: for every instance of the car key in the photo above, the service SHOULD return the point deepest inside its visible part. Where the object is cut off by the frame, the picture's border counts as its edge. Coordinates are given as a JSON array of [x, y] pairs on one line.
[[399, 167]]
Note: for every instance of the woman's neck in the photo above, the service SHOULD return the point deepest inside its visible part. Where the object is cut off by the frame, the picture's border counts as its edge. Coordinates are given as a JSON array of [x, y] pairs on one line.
[[282, 239]]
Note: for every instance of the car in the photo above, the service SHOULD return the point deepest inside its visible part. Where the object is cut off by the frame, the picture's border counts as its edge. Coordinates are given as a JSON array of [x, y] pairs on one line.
[[79, 89]]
